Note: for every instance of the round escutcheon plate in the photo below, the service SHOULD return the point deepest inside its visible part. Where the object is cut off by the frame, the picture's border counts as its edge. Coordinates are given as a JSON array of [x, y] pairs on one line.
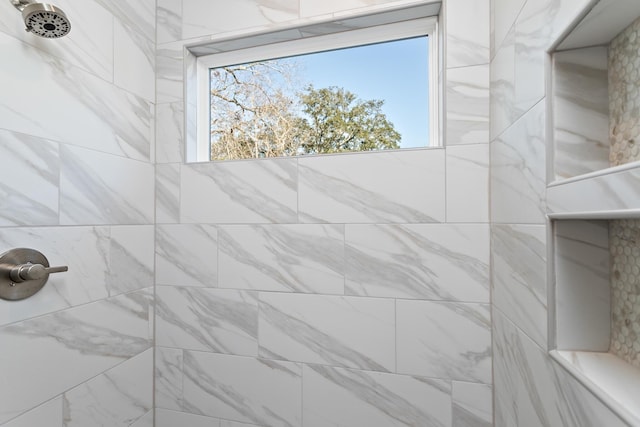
[[9, 290]]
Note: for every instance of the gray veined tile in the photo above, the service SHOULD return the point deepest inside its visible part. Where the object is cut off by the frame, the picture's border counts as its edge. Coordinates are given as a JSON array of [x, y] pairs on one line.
[[48, 414], [334, 397], [253, 191], [131, 259], [84, 249], [468, 183], [167, 193], [96, 114], [144, 421], [420, 261], [70, 347], [243, 389], [90, 193], [502, 78], [468, 105], [168, 20], [134, 62], [219, 320], [117, 398], [187, 255], [201, 17], [444, 340], [169, 134], [169, 72], [373, 187], [519, 277], [29, 180], [518, 171], [298, 257], [359, 333], [166, 418], [467, 32], [472, 405], [169, 367], [531, 388]]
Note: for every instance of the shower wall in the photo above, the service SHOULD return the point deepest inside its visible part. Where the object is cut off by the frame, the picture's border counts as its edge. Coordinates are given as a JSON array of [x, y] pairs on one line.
[[338, 290], [530, 388], [77, 183]]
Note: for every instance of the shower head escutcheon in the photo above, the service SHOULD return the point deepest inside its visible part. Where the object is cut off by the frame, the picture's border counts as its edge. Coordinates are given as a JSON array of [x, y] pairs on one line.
[[43, 19]]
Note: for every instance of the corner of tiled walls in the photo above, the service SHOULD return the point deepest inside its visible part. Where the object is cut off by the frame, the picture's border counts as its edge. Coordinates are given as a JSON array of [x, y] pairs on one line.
[[77, 182], [530, 388], [289, 289]]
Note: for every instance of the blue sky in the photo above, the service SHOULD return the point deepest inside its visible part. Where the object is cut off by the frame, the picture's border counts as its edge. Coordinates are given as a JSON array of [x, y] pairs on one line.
[[395, 72]]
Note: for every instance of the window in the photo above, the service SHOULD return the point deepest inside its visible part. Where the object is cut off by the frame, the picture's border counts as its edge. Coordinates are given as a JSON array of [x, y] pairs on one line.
[[366, 89]]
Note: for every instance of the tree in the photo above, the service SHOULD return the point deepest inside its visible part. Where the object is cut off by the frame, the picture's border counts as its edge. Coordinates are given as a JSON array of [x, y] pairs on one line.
[[336, 121], [251, 115], [255, 113]]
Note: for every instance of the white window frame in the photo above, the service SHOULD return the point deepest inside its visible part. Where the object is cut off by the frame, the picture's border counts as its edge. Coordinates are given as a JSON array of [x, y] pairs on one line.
[[376, 34]]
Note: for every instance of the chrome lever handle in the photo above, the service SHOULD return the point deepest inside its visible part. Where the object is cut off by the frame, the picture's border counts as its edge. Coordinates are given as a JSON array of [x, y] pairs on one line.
[[23, 272]]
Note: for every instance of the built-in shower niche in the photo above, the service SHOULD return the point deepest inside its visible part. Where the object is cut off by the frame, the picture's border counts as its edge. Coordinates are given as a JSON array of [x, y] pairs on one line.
[[595, 88], [597, 307]]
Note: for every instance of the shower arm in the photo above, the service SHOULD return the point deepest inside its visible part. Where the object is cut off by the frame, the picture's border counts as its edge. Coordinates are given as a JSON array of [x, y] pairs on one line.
[[20, 4]]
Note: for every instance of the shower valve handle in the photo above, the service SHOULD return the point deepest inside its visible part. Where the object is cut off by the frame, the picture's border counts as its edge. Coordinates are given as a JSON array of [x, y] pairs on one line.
[[24, 272]]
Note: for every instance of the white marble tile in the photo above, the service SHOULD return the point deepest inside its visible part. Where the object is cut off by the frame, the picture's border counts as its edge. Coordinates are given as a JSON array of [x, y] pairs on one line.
[[335, 397], [424, 261], [311, 8], [48, 414], [468, 183], [169, 72], [170, 131], [136, 17], [468, 105], [580, 112], [89, 45], [134, 62], [218, 320], [359, 333], [48, 355], [166, 418], [505, 13], [472, 405], [298, 257], [144, 421], [91, 193], [168, 378], [502, 78], [168, 20], [253, 191], [116, 398], [227, 423], [582, 285], [131, 259], [531, 389], [613, 190], [96, 114], [243, 389], [519, 277], [84, 249], [451, 341], [203, 17], [186, 255], [467, 32], [167, 193], [29, 180], [399, 186], [518, 171], [539, 24]]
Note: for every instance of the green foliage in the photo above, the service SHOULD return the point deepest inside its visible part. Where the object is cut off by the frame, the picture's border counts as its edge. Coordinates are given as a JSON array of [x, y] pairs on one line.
[[255, 114], [337, 121]]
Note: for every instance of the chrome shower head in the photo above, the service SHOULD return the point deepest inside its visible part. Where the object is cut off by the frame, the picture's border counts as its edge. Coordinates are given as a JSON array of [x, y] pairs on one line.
[[42, 19]]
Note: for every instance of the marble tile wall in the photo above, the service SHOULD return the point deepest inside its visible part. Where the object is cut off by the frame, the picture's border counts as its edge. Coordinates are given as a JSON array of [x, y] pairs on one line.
[[529, 387], [324, 291], [77, 183]]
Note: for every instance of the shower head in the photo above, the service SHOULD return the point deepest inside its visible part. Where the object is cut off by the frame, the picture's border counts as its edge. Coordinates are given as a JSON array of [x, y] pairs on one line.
[[42, 19]]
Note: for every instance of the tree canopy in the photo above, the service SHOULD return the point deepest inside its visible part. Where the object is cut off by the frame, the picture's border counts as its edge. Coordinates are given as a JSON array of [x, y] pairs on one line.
[[255, 113]]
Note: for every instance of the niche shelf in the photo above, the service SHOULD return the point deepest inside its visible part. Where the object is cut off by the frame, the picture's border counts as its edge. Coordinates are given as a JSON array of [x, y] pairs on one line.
[[594, 204]]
